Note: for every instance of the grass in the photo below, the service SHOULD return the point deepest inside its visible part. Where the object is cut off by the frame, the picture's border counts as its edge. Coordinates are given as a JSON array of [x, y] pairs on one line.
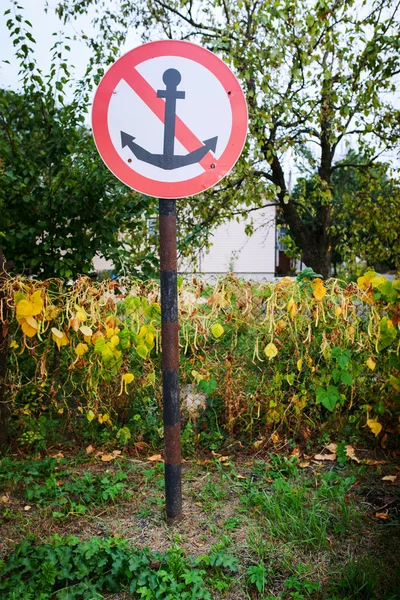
[[257, 530]]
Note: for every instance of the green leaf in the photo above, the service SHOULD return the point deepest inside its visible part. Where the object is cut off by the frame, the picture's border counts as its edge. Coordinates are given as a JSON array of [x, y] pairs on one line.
[[328, 397]]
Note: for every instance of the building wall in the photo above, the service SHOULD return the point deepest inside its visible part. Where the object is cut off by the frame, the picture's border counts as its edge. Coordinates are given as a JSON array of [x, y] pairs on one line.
[[252, 257]]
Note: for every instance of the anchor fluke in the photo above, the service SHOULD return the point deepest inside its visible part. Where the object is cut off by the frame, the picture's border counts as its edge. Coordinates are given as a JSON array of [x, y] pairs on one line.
[[126, 139], [211, 143]]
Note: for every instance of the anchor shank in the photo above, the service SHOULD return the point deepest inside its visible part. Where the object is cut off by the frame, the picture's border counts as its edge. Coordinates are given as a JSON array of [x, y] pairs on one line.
[[171, 78], [169, 130]]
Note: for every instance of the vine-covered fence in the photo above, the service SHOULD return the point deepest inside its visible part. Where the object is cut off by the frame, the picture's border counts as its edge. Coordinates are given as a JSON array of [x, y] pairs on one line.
[[258, 360]]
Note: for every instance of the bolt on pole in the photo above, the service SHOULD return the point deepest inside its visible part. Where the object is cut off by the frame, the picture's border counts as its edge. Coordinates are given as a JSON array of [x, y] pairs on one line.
[[170, 360]]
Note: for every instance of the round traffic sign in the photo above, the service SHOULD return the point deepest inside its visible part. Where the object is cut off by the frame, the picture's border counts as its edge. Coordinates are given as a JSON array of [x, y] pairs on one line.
[[169, 119]]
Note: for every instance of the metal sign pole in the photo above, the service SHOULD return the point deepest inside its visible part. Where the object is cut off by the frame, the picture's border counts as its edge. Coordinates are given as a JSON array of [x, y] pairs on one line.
[[170, 359]]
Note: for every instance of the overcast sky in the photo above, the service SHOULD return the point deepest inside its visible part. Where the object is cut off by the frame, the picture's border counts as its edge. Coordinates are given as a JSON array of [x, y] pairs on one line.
[[44, 25]]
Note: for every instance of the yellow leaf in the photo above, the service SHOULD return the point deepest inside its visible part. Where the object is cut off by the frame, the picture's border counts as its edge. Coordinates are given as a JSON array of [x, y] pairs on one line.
[[32, 322], [319, 290], [197, 376], [374, 426], [275, 438], [81, 349], [28, 329], [59, 337], [364, 282], [57, 333], [37, 302], [128, 377], [292, 308], [377, 281], [143, 331], [86, 330], [80, 314], [338, 311], [217, 330], [371, 364], [90, 415], [270, 351], [149, 338], [299, 364], [114, 341], [106, 417], [24, 309], [14, 344]]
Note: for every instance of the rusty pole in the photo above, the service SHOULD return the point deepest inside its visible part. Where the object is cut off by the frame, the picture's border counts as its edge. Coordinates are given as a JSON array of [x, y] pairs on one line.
[[170, 359]]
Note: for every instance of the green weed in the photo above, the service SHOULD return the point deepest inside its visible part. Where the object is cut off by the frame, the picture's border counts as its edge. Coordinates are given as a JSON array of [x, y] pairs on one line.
[[67, 568]]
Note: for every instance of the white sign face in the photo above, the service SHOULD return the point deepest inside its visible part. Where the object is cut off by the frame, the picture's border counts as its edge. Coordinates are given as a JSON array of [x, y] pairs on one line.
[[169, 119]]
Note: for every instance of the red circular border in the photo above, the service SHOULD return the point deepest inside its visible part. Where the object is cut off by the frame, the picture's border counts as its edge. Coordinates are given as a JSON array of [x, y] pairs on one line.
[[115, 163]]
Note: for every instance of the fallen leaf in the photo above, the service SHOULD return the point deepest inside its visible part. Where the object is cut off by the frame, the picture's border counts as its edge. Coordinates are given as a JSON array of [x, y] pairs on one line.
[[5, 499], [371, 461], [239, 476], [304, 464], [331, 447], [391, 478], [156, 458], [350, 453], [382, 515], [116, 452], [258, 443], [275, 438], [89, 449], [325, 457], [224, 458], [58, 455], [107, 457], [295, 452], [27, 507]]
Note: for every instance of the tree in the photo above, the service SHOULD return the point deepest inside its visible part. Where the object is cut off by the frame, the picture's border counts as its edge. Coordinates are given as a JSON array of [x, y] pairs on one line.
[[60, 205], [366, 215], [313, 72], [365, 212]]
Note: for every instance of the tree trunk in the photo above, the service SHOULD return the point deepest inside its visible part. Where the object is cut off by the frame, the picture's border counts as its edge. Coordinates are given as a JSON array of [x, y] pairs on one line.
[[4, 410]]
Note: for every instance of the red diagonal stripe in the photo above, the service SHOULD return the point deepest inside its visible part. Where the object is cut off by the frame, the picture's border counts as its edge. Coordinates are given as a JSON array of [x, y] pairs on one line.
[[157, 105]]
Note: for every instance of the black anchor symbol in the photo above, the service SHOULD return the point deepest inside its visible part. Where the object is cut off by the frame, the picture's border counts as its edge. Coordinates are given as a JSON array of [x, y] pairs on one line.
[[168, 160]]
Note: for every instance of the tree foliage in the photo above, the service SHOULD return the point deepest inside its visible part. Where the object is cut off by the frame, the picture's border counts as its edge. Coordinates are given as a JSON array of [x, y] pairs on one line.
[[313, 72], [365, 212]]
